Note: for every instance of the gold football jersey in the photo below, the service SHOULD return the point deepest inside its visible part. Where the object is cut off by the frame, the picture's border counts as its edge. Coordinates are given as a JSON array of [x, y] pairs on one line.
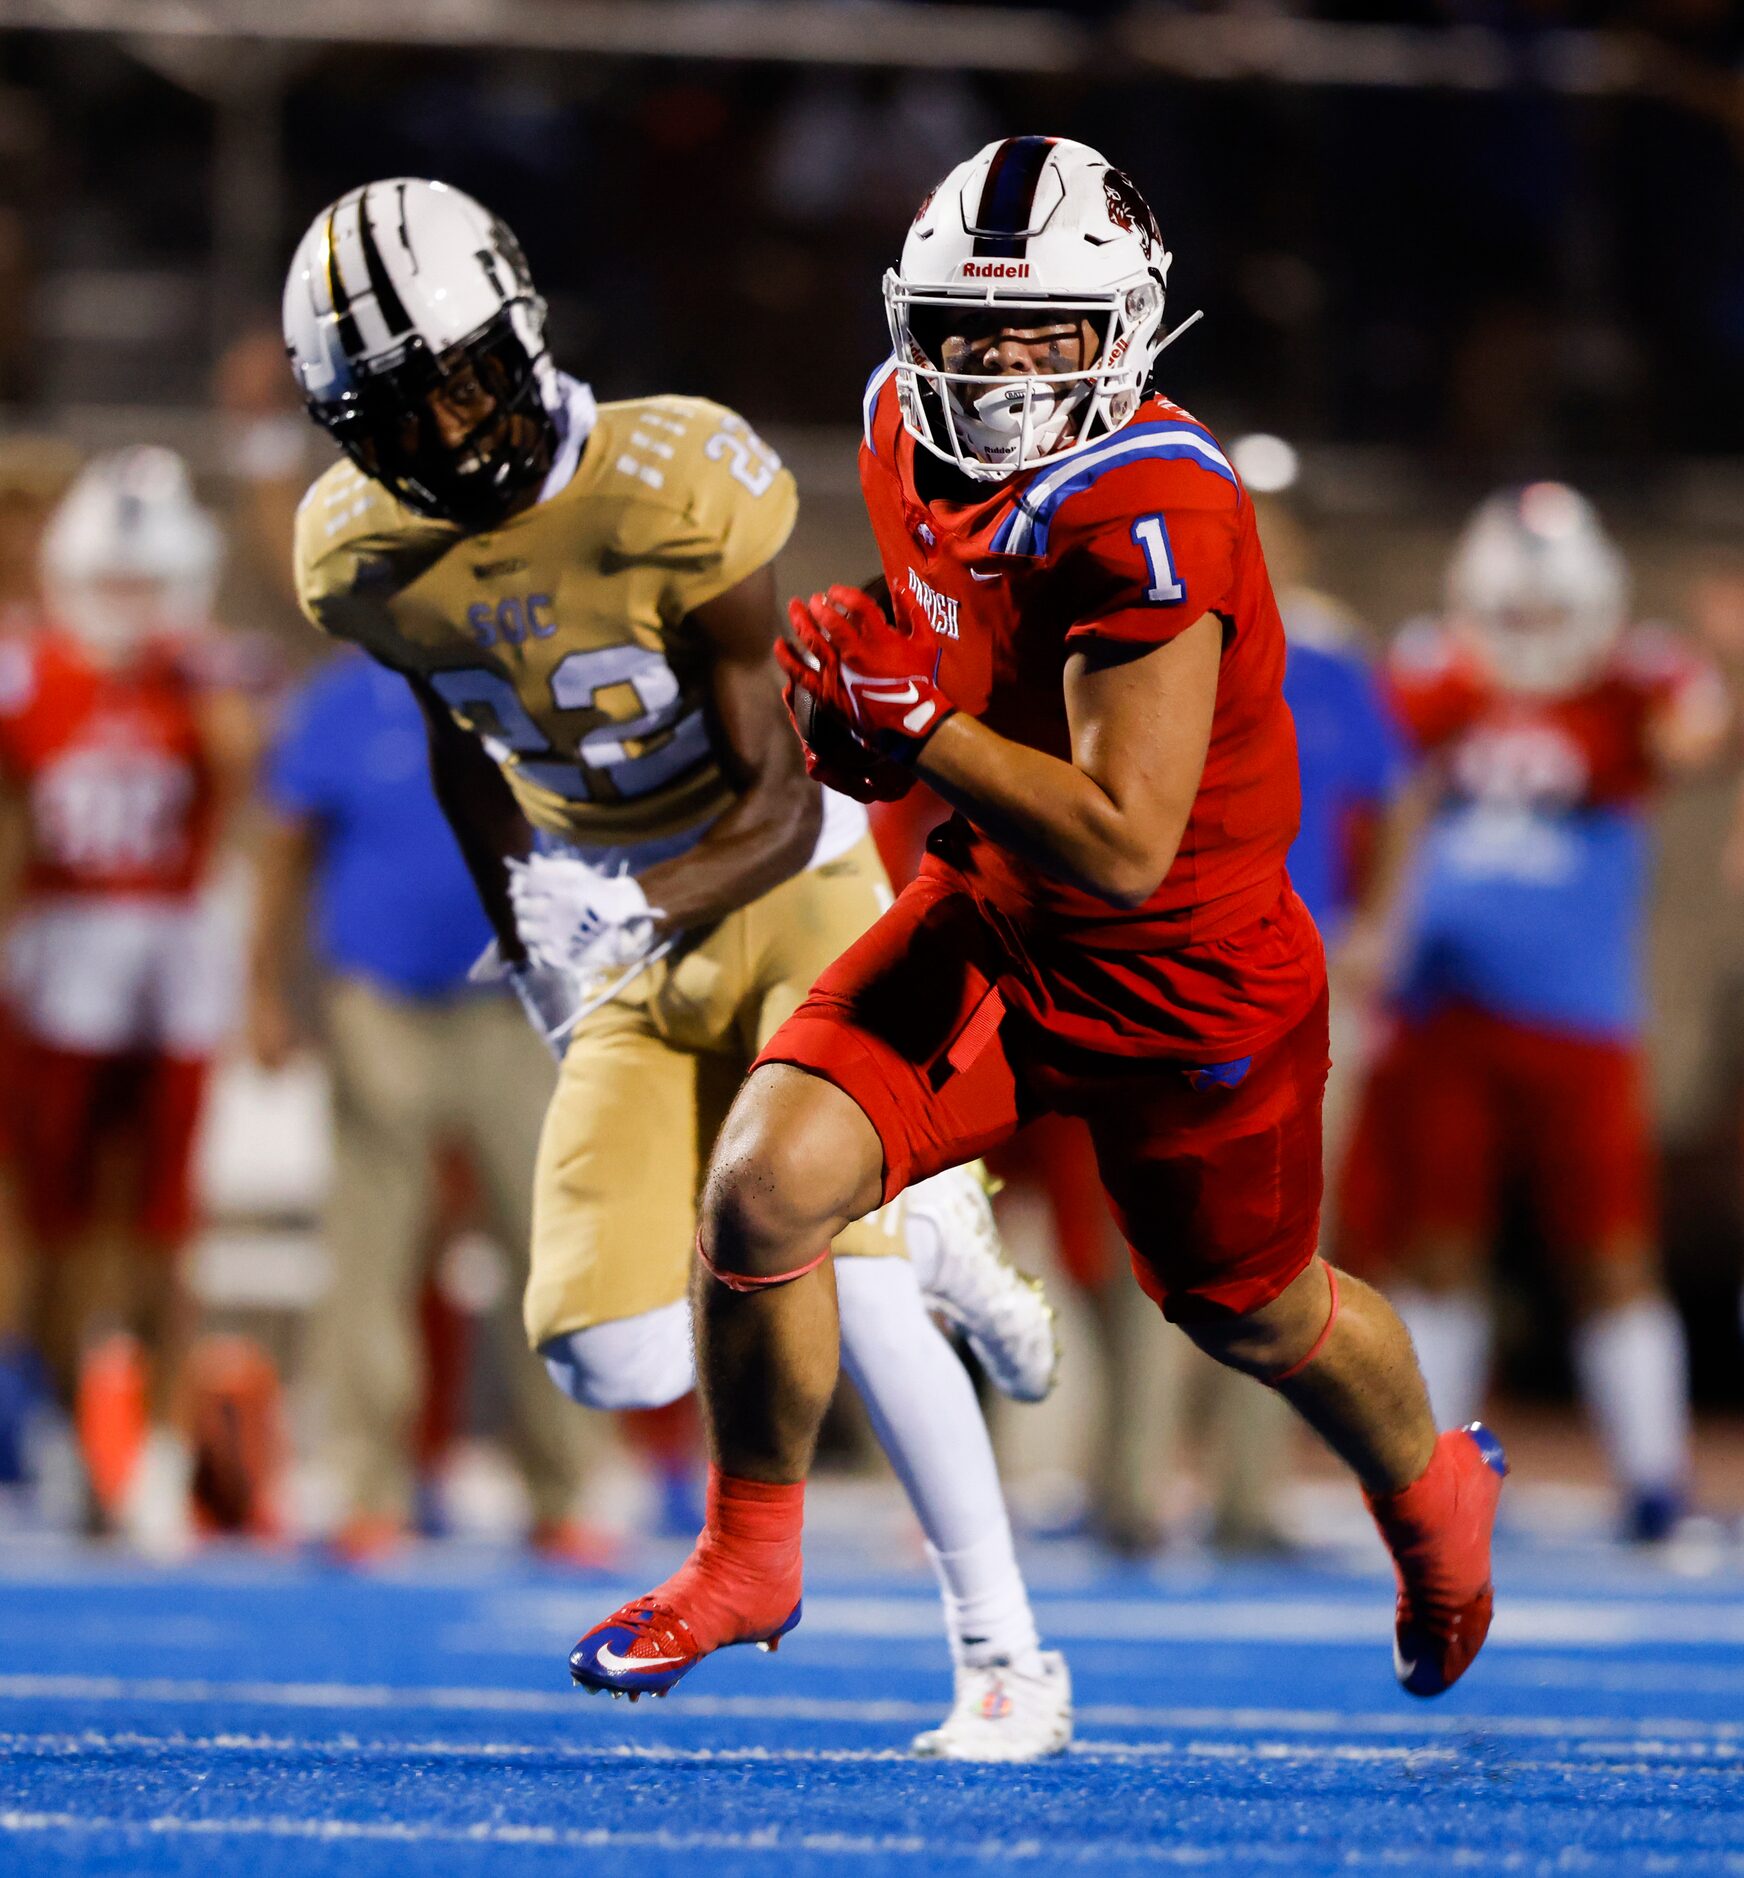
[[560, 637]]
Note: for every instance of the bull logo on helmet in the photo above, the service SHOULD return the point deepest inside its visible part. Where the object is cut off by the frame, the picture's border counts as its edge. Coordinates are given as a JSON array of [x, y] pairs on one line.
[[1128, 209]]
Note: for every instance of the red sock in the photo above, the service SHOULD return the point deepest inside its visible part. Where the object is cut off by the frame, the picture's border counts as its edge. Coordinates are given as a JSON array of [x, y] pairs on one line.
[[744, 1577], [1425, 1504], [1438, 1528]]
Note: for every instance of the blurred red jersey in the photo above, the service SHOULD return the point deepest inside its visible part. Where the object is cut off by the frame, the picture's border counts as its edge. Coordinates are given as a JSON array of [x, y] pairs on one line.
[[1588, 746], [1130, 541], [113, 767]]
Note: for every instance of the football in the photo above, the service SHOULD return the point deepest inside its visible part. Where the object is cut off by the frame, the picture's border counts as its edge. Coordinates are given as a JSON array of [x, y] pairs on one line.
[[843, 761]]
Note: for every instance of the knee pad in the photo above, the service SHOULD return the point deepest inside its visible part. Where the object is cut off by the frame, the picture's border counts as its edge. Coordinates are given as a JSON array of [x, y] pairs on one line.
[[631, 1363]]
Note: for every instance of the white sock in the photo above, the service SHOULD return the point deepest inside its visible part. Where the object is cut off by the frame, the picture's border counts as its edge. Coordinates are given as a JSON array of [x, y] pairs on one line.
[[927, 1420], [1452, 1331], [1634, 1373]]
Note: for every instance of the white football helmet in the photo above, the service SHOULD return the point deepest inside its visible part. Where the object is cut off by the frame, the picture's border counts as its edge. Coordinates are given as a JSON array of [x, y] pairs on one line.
[[130, 553], [1539, 588], [1039, 228], [406, 287]]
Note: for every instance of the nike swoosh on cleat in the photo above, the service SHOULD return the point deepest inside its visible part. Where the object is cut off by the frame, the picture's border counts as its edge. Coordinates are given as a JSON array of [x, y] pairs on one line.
[[608, 1659]]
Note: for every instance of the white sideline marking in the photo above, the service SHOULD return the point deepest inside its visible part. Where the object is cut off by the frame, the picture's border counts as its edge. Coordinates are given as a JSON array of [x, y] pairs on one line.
[[381, 1696]]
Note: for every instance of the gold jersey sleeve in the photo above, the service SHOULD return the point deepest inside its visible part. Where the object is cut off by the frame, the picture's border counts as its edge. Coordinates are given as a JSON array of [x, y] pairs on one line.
[[355, 547], [566, 638]]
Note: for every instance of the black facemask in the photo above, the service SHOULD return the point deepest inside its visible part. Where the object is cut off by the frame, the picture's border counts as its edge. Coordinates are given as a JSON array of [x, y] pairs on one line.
[[387, 428]]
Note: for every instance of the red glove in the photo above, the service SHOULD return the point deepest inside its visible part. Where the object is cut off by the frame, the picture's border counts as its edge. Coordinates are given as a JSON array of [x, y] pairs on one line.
[[835, 756], [875, 675]]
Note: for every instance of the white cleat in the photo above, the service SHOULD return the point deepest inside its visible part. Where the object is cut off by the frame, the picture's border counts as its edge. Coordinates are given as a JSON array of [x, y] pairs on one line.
[[1004, 1713], [1004, 1313]]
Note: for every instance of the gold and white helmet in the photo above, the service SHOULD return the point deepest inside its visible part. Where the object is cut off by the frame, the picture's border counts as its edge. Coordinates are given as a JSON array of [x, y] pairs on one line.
[[394, 289], [1043, 229], [1538, 588]]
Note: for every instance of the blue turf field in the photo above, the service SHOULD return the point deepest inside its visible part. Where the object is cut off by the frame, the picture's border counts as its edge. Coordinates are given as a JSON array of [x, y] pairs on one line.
[[267, 1717]]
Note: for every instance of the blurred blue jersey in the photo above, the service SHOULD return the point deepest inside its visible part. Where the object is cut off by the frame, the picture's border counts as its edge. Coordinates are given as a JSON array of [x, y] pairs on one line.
[[1532, 914], [1530, 891], [1351, 753], [393, 899]]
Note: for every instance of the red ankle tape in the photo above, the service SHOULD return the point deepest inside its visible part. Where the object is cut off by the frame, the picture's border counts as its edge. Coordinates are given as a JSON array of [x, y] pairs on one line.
[[739, 1281], [1319, 1343]]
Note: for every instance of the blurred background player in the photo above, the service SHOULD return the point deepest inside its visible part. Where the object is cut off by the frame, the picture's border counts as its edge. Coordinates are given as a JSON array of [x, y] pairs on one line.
[[582, 599], [124, 746], [1544, 723], [356, 862]]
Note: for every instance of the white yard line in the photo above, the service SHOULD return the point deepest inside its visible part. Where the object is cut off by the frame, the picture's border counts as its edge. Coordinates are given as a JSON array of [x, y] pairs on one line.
[[1621, 1756], [777, 1844], [124, 1741], [383, 1698]]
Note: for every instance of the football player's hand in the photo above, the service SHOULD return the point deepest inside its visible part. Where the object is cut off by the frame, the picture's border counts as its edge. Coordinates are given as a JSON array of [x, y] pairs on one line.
[[876, 675], [577, 917], [837, 758]]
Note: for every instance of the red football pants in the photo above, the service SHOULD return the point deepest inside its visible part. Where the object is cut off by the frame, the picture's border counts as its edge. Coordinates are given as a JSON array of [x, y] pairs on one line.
[[1215, 1184]]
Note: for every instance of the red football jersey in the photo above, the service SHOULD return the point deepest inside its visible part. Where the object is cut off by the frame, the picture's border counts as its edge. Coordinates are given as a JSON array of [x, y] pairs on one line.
[[1588, 747], [112, 764], [1131, 540]]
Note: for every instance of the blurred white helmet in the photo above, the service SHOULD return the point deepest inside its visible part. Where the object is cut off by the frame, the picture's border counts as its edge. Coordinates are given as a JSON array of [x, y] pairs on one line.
[[130, 553], [1039, 229], [405, 287], [1540, 587]]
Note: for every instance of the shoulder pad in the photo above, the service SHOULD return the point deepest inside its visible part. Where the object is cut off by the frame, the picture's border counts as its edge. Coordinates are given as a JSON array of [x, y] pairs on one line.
[[1184, 464], [869, 401], [697, 493]]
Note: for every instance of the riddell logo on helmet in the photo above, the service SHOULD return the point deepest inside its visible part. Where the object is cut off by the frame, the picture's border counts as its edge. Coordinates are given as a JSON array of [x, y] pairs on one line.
[[995, 270]]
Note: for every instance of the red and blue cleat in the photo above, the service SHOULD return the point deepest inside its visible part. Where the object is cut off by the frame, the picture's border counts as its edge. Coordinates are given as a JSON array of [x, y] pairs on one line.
[[1438, 1531], [646, 1648]]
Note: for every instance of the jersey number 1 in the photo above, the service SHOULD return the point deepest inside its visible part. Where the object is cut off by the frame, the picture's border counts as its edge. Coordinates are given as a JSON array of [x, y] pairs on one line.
[[1165, 589]]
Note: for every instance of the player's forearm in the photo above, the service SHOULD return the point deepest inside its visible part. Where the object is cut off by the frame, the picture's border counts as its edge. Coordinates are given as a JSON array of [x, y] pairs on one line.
[[1049, 811], [766, 837], [284, 865], [481, 810], [489, 834]]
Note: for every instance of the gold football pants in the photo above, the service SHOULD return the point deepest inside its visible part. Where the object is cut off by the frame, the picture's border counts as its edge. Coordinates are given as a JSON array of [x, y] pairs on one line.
[[646, 1085]]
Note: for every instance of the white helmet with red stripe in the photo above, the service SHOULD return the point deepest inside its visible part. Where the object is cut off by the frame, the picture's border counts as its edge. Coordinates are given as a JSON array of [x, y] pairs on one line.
[[1039, 228], [130, 552], [1539, 588], [402, 288]]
